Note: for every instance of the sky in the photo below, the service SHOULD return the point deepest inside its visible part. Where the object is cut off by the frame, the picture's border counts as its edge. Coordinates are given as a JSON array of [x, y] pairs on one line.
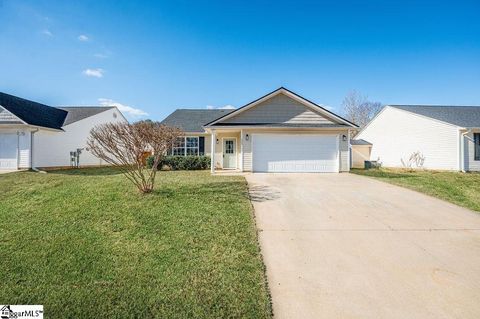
[[152, 57]]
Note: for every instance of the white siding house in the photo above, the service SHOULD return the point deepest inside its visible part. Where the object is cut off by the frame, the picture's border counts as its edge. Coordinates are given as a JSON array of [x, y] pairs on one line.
[[444, 135], [34, 135], [279, 132]]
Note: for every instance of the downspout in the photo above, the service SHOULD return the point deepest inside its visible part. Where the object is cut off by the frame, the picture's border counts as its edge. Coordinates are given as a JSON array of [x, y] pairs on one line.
[[31, 152], [462, 150]]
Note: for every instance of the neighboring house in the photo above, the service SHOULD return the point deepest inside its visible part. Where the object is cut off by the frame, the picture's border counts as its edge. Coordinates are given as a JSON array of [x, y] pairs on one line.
[[448, 137], [279, 132], [34, 135]]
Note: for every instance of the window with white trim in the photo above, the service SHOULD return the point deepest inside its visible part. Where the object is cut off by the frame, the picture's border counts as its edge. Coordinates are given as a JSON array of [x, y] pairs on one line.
[[186, 145]]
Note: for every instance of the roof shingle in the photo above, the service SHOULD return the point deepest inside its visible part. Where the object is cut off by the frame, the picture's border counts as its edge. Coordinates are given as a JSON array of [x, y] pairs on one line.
[[77, 113], [463, 116], [33, 113], [192, 120]]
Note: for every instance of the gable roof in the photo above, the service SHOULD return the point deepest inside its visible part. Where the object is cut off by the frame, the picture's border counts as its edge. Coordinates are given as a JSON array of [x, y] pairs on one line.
[[291, 94], [33, 113], [192, 120], [37, 114], [463, 116], [77, 113]]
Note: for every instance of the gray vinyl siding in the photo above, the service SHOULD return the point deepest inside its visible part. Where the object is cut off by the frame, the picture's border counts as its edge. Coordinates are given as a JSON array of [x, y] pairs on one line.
[[344, 154], [469, 148], [279, 109]]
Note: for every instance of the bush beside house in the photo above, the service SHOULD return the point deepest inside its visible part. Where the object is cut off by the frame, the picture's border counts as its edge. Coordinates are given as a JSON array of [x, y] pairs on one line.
[[182, 162]]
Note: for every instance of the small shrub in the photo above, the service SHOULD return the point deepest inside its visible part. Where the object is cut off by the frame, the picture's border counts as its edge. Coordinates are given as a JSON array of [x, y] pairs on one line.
[[182, 163], [416, 159]]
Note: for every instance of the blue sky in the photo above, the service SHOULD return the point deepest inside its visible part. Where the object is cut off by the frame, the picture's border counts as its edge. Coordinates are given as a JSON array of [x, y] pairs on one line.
[[156, 56]]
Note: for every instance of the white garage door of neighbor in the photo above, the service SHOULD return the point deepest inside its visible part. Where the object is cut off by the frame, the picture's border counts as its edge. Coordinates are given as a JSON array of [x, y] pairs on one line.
[[8, 151], [284, 153]]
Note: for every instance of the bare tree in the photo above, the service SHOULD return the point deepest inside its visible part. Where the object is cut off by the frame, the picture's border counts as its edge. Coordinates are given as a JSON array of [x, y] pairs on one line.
[[358, 109], [124, 146]]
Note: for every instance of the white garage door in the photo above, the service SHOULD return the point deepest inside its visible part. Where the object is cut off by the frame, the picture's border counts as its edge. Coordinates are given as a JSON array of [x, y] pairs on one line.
[[295, 153], [8, 151]]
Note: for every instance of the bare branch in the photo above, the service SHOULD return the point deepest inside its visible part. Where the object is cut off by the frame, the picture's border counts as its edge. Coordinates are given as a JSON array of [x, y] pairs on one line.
[[358, 109], [124, 145]]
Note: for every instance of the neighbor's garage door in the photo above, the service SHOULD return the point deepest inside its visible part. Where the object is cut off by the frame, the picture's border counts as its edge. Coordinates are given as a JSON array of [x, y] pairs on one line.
[[8, 151], [295, 153]]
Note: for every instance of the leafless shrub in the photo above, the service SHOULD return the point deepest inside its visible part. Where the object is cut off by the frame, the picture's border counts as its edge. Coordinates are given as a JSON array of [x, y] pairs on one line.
[[124, 145], [416, 160]]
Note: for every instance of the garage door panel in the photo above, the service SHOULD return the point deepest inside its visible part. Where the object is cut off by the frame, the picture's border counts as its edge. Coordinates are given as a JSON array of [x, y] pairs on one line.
[[295, 153], [8, 151]]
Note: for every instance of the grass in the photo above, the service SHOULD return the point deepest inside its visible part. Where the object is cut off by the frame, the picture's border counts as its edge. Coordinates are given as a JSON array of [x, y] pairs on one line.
[[462, 189], [84, 242]]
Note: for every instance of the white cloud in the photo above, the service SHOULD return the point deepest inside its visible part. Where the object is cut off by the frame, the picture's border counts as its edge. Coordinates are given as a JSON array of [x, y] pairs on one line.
[[47, 33], [97, 73], [83, 38], [125, 109], [226, 107]]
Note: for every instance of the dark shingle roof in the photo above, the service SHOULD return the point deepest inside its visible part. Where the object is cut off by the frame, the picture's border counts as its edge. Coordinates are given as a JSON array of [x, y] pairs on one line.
[[463, 116], [192, 120], [360, 142], [33, 113], [77, 113]]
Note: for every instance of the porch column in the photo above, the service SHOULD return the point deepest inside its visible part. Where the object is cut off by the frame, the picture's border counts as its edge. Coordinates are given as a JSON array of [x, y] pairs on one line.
[[241, 150], [212, 152]]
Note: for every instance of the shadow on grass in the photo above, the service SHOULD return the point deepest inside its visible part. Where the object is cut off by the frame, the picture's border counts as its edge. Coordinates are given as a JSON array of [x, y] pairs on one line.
[[97, 171]]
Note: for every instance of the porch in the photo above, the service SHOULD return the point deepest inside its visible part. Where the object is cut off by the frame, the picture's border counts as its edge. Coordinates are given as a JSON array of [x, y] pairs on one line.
[[226, 151]]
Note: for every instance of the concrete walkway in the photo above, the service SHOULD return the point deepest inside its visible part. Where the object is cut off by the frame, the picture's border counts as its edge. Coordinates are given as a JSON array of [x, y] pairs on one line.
[[347, 246]]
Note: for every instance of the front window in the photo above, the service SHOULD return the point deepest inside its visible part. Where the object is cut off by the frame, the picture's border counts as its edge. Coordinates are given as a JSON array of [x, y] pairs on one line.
[[191, 145], [186, 145], [476, 139], [179, 147]]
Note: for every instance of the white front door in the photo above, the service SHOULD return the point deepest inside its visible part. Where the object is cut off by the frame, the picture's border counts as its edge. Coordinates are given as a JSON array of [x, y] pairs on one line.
[[284, 153], [229, 153], [8, 150]]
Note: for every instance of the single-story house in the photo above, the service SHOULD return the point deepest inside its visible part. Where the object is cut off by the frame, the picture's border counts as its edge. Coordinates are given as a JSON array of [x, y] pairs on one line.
[[35, 135], [278, 132], [446, 137]]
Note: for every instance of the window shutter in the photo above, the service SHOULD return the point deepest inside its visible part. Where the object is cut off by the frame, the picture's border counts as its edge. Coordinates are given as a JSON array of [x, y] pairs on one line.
[[476, 138], [201, 145]]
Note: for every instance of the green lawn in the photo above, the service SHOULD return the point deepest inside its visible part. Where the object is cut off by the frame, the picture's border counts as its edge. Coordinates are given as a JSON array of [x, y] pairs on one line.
[[459, 188], [84, 244]]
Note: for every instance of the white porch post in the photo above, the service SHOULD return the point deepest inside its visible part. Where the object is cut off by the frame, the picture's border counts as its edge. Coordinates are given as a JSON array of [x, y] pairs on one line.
[[241, 150], [349, 151], [212, 152]]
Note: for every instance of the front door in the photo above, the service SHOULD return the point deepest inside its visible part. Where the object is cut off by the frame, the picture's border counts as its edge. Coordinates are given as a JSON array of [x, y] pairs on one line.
[[229, 153]]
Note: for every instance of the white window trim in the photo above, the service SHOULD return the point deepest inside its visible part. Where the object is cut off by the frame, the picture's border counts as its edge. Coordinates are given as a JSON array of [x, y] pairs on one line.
[[185, 146]]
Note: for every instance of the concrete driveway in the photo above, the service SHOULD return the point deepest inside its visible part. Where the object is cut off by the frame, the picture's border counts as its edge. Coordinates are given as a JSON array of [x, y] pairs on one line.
[[347, 246]]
